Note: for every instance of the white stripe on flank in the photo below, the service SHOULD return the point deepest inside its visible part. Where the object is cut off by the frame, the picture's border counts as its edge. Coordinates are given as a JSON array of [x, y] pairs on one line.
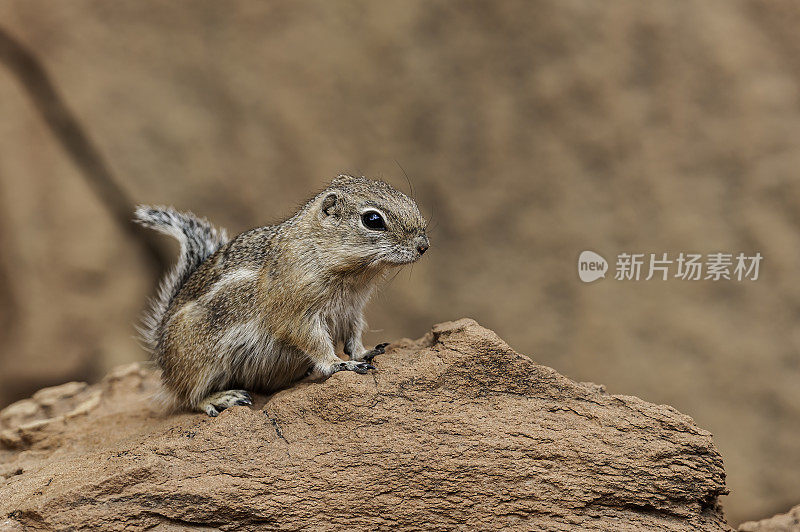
[[242, 275]]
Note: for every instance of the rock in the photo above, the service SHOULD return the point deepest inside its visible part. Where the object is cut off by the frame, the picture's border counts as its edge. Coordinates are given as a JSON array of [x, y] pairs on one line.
[[788, 522], [452, 431]]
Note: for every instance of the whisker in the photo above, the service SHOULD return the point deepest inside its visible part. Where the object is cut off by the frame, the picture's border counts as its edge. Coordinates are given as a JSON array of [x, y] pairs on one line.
[[410, 186], [387, 283]]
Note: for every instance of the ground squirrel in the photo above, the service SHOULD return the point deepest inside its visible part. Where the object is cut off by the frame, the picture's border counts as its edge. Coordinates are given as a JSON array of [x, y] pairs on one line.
[[264, 309]]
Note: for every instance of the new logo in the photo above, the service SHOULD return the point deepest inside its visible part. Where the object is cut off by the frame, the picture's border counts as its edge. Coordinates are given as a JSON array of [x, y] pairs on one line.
[[591, 266]]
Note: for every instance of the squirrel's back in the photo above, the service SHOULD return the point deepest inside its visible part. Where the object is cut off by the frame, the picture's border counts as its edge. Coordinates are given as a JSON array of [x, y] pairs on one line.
[[198, 240]]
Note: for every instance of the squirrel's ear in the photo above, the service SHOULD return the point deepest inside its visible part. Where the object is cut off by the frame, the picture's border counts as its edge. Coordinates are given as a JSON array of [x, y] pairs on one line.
[[331, 204]]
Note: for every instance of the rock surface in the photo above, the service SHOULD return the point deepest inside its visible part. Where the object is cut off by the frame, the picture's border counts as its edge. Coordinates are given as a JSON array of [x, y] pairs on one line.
[[452, 431], [788, 522]]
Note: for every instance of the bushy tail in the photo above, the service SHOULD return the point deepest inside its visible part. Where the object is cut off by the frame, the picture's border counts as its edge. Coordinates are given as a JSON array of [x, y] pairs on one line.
[[198, 238]]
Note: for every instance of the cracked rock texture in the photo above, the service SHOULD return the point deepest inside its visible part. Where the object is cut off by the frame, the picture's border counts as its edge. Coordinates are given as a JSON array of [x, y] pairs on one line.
[[452, 431]]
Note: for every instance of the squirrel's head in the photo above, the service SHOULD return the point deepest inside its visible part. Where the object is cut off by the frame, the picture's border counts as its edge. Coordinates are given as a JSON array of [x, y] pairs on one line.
[[373, 223]]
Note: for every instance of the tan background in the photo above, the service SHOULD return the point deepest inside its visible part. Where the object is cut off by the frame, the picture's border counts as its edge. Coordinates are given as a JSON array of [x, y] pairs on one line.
[[530, 130]]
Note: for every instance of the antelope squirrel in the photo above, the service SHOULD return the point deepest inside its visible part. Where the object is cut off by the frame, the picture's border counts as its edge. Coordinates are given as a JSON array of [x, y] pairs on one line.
[[266, 308]]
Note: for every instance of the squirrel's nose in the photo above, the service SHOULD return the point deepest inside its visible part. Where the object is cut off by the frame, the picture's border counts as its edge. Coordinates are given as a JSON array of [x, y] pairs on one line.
[[422, 244]]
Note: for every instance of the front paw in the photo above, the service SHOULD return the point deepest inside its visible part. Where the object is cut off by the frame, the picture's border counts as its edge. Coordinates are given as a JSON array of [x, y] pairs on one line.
[[352, 365], [377, 350]]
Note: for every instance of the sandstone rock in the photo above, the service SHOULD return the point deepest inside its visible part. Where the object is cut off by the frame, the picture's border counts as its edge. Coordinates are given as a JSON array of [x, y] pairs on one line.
[[452, 431], [788, 522]]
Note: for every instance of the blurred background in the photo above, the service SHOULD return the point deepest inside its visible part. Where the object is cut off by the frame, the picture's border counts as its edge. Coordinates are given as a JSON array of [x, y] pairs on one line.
[[531, 131]]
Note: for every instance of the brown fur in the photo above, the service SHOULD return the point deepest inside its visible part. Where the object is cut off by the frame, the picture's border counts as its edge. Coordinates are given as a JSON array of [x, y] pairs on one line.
[[272, 303]]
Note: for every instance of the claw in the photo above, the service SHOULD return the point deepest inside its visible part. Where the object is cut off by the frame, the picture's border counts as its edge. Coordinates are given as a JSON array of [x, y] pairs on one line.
[[363, 368], [377, 350], [217, 402], [359, 367]]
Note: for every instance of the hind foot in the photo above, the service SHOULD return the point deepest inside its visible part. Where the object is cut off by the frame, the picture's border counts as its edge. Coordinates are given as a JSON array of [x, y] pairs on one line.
[[352, 365], [217, 402]]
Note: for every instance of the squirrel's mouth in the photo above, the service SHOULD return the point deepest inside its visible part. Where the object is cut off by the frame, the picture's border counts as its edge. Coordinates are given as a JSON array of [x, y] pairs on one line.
[[401, 258], [401, 253]]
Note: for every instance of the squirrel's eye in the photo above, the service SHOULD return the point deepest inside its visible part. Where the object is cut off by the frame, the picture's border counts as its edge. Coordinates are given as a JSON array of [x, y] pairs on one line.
[[373, 220]]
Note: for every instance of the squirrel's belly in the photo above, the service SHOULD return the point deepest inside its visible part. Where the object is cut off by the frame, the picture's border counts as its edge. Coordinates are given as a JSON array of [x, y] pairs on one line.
[[266, 365]]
